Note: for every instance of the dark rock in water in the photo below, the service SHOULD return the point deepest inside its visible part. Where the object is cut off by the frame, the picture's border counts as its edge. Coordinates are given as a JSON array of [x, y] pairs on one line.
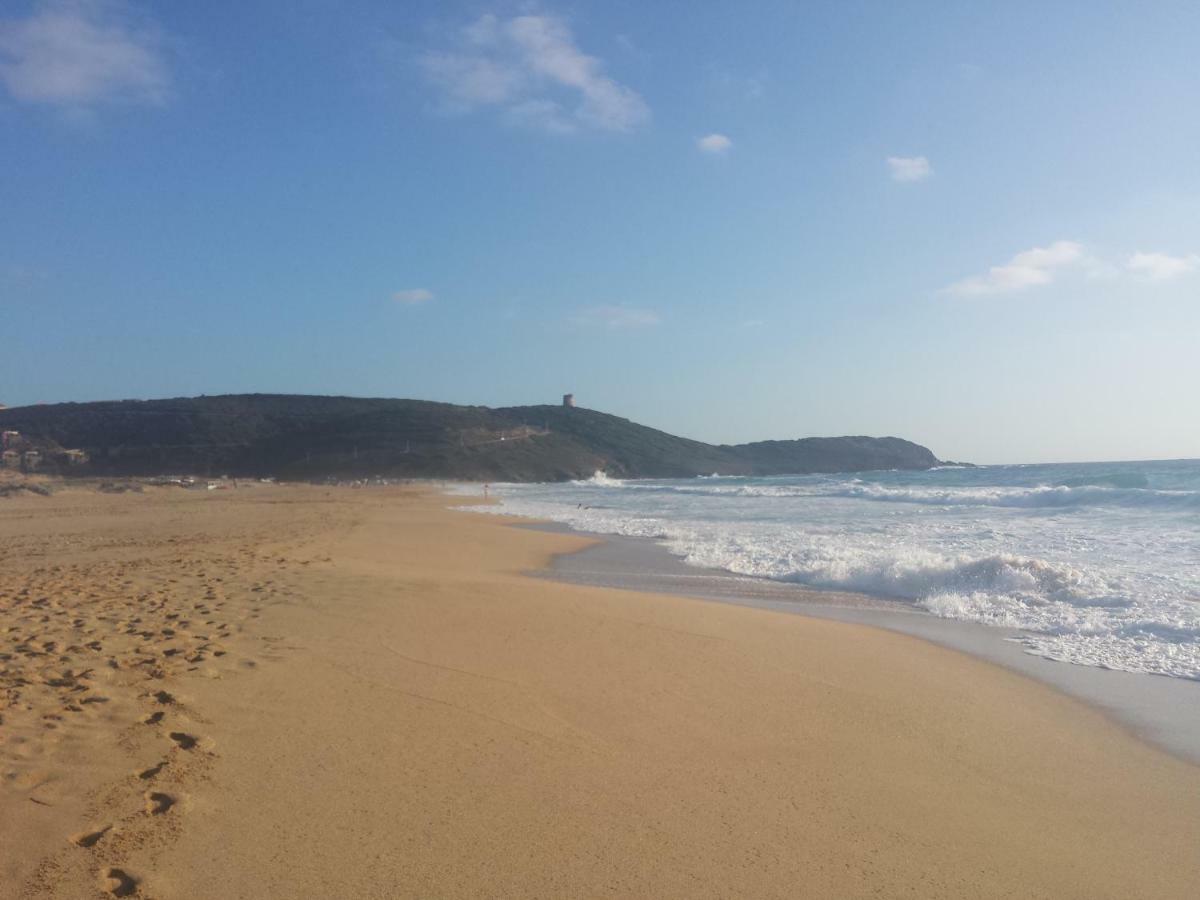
[[306, 437]]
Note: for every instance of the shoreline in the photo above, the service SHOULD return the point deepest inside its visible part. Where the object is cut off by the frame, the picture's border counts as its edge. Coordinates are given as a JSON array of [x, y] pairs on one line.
[[363, 693], [1162, 711]]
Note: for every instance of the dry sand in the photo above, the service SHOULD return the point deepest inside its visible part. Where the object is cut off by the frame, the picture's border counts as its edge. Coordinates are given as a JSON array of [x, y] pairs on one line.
[[300, 692]]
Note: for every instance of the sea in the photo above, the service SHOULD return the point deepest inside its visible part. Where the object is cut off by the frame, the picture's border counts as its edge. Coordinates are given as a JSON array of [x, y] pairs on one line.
[[1096, 564]]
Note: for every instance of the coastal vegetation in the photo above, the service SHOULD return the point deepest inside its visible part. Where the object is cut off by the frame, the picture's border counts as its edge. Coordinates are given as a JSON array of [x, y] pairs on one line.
[[298, 436]]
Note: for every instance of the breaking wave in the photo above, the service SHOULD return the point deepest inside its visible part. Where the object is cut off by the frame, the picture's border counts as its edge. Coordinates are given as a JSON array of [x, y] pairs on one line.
[[1059, 496], [1090, 566], [1041, 496]]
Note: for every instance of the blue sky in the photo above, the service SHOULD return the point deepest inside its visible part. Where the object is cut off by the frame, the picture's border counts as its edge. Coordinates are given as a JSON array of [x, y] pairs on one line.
[[973, 225]]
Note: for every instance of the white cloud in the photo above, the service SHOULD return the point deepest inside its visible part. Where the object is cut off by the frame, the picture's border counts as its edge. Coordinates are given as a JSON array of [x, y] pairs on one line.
[[714, 143], [909, 168], [77, 54], [1032, 267], [1162, 266], [531, 69], [615, 317], [413, 296]]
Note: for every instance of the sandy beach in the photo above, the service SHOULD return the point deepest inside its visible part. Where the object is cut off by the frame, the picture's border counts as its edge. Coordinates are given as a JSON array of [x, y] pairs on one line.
[[310, 692]]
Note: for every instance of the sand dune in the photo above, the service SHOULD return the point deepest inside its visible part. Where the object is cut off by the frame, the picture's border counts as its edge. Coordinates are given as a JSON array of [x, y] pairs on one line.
[[300, 692]]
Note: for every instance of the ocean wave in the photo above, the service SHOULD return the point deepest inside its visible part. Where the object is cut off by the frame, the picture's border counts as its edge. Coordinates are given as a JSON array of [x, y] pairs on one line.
[[1115, 479], [1113, 491], [1069, 613], [1134, 640], [1094, 564], [601, 479], [892, 569], [1078, 613], [1042, 496]]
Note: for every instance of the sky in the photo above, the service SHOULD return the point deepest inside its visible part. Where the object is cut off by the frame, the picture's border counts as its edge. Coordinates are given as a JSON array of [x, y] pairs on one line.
[[976, 226]]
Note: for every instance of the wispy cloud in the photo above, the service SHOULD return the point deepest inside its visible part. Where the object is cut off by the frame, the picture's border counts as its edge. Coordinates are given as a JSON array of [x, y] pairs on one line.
[[1041, 265], [1032, 267], [79, 54], [615, 317], [909, 168], [413, 296], [531, 70], [1162, 266], [626, 43], [714, 143], [732, 88]]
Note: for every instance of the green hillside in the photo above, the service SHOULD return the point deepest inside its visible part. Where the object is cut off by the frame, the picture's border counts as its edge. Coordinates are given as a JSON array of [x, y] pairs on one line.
[[296, 436]]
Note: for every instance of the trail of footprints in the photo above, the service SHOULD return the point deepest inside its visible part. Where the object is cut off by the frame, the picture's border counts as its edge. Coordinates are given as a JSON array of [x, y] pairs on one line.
[[130, 831], [74, 638]]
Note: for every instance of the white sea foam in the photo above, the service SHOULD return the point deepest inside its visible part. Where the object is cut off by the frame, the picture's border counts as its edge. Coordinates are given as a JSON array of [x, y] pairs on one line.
[[1040, 496], [1059, 496], [1092, 566], [601, 479]]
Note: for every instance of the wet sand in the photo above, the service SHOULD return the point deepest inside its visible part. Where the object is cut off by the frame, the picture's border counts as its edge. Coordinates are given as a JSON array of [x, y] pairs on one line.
[[1165, 711], [300, 692]]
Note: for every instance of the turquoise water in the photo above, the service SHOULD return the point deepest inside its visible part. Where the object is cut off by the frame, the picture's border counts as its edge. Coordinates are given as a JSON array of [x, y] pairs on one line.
[[1096, 564]]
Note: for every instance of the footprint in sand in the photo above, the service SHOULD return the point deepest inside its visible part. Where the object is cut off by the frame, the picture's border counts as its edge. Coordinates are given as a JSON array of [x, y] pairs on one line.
[[118, 882], [147, 774], [185, 741], [88, 839], [158, 803]]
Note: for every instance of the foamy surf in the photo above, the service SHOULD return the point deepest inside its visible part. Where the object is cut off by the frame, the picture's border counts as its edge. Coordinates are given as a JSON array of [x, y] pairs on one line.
[[1095, 564]]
